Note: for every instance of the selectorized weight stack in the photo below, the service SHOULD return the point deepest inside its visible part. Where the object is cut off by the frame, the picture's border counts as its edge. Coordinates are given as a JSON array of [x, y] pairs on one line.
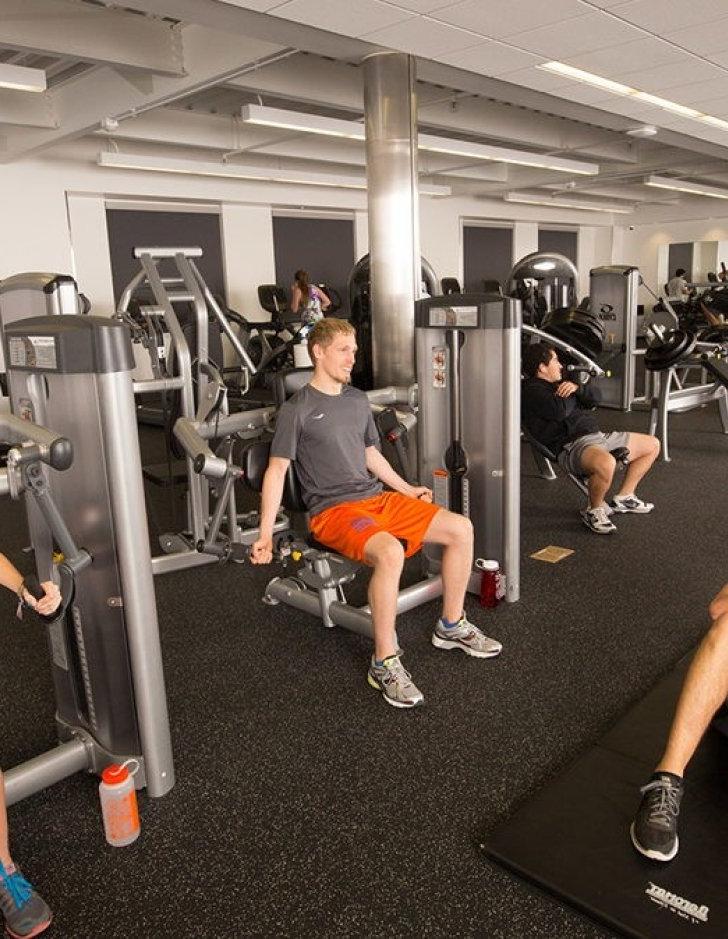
[[469, 379], [73, 374], [613, 294]]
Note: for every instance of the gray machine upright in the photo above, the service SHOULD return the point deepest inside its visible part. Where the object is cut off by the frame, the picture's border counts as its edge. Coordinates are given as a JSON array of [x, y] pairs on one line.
[[72, 374], [469, 379], [613, 295]]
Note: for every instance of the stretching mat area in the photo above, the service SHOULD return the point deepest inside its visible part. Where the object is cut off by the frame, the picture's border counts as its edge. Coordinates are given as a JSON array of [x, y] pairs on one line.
[[573, 840]]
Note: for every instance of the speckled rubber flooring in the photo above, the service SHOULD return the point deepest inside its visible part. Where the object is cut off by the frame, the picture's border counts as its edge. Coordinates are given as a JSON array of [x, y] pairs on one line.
[[304, 805]]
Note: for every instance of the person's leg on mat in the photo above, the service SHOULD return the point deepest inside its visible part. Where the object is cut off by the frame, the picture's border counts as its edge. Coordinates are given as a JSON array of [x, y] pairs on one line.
[[654, 830], [453, 630]]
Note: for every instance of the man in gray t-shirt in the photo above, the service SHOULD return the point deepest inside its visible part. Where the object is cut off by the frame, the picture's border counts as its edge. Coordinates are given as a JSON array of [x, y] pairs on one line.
[[327, 430]]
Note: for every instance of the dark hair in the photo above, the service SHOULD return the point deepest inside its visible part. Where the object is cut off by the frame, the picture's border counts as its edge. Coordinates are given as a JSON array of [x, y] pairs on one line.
[[679, 272], [535, 355], [301, 278]]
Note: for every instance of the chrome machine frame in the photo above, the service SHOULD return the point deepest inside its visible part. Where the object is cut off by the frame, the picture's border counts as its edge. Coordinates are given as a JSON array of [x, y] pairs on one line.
[[210, 419], [74, 374]]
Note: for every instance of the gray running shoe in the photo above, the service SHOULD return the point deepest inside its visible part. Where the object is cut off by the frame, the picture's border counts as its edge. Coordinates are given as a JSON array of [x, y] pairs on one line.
[[467, 637], [654, 829], [395, 683], [26, 913]]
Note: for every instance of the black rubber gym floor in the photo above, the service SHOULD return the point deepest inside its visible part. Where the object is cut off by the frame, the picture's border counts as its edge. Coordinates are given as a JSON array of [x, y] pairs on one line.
[[304, 805]]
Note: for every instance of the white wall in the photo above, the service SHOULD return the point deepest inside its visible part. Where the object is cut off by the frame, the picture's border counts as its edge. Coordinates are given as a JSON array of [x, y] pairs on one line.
[[54, 220], [644, 245]]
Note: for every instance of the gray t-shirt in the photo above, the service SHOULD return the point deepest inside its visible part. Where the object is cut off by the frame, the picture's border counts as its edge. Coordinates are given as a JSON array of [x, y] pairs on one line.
[[326, 435]]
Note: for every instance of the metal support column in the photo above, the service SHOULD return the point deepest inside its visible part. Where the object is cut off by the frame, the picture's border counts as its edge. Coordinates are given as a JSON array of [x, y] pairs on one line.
[[390, 107]]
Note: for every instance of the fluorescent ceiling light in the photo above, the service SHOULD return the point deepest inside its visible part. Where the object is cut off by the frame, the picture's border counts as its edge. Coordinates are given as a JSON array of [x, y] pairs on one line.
[[158, 164], [544, 266], [480, 151], [22, 79], [589, 78], [353, 130], [525, 199], [680, 185], [568, 71], [296, 120]]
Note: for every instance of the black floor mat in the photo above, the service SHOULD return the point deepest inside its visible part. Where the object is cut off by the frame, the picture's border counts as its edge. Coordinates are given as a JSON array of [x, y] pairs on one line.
[[573, 838]]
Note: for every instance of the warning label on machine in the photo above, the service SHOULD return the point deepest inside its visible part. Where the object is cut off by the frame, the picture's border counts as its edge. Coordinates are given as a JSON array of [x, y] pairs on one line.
[[32, 352]]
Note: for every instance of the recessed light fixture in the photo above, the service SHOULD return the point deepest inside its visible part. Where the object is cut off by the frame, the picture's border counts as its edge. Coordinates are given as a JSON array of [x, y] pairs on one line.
[[681, 185], [617, 88], [20, 78], [335, 127], [126, 161], [526, 199]]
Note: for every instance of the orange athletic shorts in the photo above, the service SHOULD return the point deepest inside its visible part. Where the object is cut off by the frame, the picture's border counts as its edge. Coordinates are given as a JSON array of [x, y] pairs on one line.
[[347, 527]]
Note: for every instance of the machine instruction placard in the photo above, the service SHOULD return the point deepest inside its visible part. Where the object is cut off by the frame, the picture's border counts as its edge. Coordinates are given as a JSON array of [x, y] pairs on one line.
[[33, 352]]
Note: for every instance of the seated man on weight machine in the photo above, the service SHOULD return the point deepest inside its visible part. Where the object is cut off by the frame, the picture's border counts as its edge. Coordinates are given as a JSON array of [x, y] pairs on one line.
[[26, 912], [554, 413], [654, 829], [328, 430]]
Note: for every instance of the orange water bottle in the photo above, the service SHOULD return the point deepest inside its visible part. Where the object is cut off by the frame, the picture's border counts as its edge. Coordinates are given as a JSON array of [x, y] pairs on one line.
[[119, 804]]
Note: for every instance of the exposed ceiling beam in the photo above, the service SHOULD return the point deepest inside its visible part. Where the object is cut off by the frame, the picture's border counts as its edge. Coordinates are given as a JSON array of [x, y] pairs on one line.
[[81, 105], [26, 110], [92, 33]]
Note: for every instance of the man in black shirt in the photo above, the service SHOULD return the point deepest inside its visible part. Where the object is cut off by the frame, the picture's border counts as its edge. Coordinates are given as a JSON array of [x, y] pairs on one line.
[[554, 413]]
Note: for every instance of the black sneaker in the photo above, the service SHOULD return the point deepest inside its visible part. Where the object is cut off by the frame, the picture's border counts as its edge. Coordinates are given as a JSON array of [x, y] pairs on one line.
[[654, 829]]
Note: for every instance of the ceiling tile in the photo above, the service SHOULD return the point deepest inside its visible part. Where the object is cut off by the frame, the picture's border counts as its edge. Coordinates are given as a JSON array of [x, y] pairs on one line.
[[498, 18], [490, 58], [663, 77], [703, 39], [423, 37], [583, 34], [422, 6], [675, 14], [615, 61], [260, 6], [539, 80], [696, 93], [336, 17]]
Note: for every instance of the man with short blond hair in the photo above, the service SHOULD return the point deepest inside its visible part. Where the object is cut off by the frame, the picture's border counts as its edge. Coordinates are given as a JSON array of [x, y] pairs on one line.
[[327, 429]]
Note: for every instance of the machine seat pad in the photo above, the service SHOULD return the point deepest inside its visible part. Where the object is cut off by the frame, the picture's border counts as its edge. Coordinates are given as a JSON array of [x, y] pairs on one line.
[[288, 381]]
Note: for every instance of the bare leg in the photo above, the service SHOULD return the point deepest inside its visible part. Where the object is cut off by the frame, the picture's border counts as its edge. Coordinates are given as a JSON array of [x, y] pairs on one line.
[[455, 533], [705, 689], [386, 555], [4, 846], [643, 451], [599, 466]]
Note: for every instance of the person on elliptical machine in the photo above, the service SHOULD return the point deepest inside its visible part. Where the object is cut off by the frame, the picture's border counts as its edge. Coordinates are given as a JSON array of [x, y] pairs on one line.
[[559, 415], [26, 912], [307, 298], [327, 430]]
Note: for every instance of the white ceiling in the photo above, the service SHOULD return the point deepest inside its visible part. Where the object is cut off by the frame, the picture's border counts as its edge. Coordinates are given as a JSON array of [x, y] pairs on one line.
[[186, 66]]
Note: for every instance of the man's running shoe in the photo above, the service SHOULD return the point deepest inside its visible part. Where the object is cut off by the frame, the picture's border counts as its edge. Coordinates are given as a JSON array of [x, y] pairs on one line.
[[467, 637], [395, 683], [598, 521], [631, 503], [654, 829]]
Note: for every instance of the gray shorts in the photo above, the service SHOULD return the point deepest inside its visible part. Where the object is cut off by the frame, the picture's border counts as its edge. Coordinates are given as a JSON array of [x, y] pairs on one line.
[[571, 456]]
